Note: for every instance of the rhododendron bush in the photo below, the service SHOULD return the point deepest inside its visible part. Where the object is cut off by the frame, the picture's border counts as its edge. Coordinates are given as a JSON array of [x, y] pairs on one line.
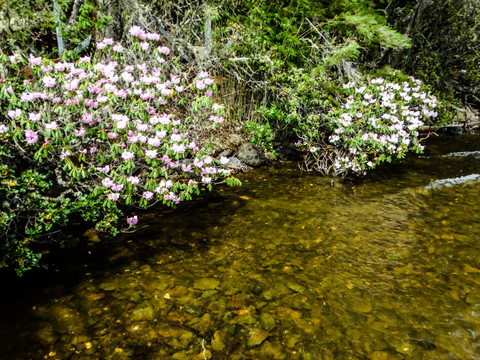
[[377, 121], [127, 127]]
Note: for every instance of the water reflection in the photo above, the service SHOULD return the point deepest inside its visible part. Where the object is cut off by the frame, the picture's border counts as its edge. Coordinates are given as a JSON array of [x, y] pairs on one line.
[[286, 267]]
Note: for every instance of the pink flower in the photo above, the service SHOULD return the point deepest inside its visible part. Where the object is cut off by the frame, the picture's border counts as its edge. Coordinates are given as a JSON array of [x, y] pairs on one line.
[[104, 170], [127, 155], [165, 119], [116, 187], [34, 61], [153, 36], [198, 163], [107, 182], [136, 31], [80, 132], [118, 48], [165, 92], [206, 179], [64, 154], [15, 58], [60, 66], [200, 84], [86, 59], [88, 119], [13, 114], [147, 195], [179, 149], [155, 142], [144, 46], [132, 220], [216, 119], [209, 93], [31, 137], [45, 69], [134, 180], [164, 50], [3, 129], [223, 160], [72, 85], [112, 135], [151, 154], [101, 45], [208, 160], [114, 196], [108, 41], [49, 81], [51, 126]]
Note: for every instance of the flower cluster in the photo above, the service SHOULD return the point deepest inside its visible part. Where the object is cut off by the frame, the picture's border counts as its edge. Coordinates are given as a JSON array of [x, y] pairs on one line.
[[118, 126], [378, 120]]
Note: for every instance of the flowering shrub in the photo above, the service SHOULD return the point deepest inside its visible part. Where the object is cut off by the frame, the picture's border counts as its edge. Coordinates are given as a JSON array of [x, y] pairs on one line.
[[128, 127], [378, 120]]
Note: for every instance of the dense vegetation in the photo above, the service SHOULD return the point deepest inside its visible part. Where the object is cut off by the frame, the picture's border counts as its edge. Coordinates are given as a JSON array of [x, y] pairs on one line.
[[108, 105]]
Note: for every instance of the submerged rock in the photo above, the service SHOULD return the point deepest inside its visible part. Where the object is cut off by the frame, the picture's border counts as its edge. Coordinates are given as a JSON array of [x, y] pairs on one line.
[[299, 302], [206, 283], [218, 341], [267, 321], [382, 355], [256, 336]]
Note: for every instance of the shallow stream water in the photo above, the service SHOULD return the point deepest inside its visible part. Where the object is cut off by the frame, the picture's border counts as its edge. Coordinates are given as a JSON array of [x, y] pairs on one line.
[[291, 265]]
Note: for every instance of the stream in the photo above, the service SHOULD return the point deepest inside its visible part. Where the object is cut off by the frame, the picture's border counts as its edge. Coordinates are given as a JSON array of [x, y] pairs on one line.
[[291, 265]]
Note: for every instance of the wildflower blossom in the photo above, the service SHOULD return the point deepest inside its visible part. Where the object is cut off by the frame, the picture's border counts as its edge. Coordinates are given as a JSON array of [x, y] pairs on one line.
[[13, 114], [49, 81], [127, 155], [147, 195], [132, 220], [31, 137]]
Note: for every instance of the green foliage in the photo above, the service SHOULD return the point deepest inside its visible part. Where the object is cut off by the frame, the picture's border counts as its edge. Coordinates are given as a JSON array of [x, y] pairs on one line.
[[87, 21], [29, 26], [371, 28], [446, 45], [348, 51], [260, 134]]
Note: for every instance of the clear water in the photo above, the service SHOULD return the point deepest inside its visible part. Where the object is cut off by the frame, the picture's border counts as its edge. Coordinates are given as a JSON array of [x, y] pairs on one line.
[[288, 266]]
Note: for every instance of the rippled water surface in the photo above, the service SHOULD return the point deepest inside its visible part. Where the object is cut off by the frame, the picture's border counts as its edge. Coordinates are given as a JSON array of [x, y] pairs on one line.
[[288, 266]]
